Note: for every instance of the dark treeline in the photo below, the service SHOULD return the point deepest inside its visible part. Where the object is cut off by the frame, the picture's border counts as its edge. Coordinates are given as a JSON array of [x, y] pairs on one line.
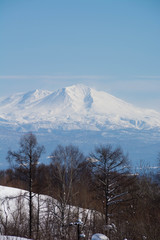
[[105, 195]]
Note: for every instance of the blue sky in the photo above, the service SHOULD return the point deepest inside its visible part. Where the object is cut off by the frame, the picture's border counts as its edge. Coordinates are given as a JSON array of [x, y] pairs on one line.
[[111, 45]]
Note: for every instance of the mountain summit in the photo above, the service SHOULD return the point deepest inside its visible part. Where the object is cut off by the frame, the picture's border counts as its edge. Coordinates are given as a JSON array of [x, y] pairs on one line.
[[81, 116], [74, 107]]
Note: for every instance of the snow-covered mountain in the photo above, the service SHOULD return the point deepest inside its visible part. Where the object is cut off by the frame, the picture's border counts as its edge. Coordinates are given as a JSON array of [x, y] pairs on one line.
[[81, 116], [74, 107]]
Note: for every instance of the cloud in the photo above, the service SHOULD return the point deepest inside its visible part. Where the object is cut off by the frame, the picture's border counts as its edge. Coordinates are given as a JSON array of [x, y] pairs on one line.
[[54, 77], [148, 77], [142, 85]]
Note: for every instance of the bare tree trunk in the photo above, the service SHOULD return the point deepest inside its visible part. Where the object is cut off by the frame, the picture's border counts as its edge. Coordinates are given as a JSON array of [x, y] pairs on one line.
[[30, 214], [30, 199], [38, 210]]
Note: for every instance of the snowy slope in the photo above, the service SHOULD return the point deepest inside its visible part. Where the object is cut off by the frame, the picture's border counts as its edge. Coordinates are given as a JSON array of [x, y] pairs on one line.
[[11, 197], [74, 107], [12, 238], [14, 200]]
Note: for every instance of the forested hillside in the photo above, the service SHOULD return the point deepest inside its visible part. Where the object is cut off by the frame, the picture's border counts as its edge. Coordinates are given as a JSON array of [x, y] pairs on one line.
[[75, 194]]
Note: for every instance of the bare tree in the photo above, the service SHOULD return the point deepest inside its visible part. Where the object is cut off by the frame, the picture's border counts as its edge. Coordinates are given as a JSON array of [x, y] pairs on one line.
[[25, 161], [65, 161], [109, 168]]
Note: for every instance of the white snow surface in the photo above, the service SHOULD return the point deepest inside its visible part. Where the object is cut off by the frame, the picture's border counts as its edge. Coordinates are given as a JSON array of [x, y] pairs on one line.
[[74, 107], [12, 238], [12, 198], [99, 236]]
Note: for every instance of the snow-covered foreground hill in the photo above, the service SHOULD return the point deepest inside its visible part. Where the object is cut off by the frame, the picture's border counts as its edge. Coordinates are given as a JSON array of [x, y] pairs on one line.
[[12, 238], [82, 116], [14, 211], [95, 237], [11, 198]]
